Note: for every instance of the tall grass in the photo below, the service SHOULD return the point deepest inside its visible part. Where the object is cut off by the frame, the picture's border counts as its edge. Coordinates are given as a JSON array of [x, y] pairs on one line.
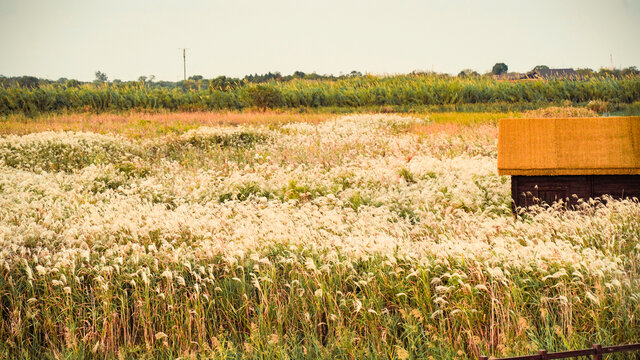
[[298, 302], [136, 124], [405, 90], [369, 236]]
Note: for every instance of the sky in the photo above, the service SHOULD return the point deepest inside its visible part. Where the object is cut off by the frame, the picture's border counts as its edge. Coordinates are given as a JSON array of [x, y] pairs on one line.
[[129, 38]]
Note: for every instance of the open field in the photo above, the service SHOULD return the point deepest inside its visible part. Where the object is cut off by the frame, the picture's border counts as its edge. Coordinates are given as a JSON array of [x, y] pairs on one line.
[[137, 125], [146, 125], [279, 235]]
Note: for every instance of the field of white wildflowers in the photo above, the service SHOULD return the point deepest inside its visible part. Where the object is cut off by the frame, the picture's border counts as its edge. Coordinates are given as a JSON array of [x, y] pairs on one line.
[[356, 237]]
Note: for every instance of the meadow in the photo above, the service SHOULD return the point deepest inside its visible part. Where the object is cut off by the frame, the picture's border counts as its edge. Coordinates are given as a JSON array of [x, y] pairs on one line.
[[284, 236]]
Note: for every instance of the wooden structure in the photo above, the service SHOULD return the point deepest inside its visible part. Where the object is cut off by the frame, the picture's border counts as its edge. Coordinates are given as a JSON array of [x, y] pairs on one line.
[[570, 158], [597, 352], [542, 74], [552, 74], [512, 76]]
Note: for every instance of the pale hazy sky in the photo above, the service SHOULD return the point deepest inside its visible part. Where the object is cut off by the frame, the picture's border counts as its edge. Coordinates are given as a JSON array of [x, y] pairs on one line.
[[129, 38]]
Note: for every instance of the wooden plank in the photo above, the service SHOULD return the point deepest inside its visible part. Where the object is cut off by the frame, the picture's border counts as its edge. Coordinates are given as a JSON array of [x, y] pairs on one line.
[[621, 348], [596, 352], [530, 190], [570, 354], [569, 146], [514, 193], [617, 186], [525, 357]]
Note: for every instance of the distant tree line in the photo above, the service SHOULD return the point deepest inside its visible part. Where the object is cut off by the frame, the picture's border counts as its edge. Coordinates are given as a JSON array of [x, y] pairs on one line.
[[30, 95], [224, 83], [585, 73], [194, 82]]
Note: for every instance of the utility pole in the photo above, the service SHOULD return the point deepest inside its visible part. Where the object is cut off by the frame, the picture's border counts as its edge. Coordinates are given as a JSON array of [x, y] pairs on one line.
[[611, 58], [184, 62]]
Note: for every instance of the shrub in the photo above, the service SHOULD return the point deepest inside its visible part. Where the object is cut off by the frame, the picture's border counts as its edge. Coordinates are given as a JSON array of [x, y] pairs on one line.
[[263, 96], [599, 106], [556, 111]]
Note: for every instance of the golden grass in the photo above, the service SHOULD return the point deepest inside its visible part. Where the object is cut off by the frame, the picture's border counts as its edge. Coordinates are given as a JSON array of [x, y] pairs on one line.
[[142, 125], [453, 129], [471, 118], [356, 240], [459, 123], [146, 125], [559, 112]]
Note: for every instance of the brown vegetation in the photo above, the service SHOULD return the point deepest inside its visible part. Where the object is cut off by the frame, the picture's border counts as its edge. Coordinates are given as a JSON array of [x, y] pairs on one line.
[[559, 112], [143, 124]]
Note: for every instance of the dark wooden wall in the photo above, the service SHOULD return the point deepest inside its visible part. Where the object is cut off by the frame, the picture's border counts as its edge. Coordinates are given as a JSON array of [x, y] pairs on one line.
[[529, 190]]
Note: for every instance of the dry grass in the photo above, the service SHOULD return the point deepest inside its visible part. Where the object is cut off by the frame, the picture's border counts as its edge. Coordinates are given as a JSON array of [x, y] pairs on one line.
[[144, 125], [471, 118], [352, 238], [559, 112], [137, 125], [459, 123], [453, 129]]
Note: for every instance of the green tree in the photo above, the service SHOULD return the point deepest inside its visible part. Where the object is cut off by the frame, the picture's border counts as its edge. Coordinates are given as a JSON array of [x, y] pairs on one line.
[[499, 68], [72, 83], [101, 77], [586, 72], [540, 67], [605, 72], [468, 73], [223, 83], [29, 82], [630, 71], [263, 96]]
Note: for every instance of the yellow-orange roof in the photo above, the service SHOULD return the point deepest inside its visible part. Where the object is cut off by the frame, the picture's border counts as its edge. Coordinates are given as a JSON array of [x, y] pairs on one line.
[[569, 146]]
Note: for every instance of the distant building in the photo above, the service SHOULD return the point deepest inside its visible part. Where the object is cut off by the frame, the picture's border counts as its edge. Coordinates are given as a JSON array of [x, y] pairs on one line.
[[567, 159], [509, 76], [551, 74]]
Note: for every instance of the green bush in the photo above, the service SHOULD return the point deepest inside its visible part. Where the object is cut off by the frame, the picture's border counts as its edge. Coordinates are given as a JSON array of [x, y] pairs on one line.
[[263, 96]]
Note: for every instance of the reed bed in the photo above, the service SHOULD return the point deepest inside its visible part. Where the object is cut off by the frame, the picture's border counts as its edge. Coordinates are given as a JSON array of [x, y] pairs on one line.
[[400, 91], [363, 236]]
